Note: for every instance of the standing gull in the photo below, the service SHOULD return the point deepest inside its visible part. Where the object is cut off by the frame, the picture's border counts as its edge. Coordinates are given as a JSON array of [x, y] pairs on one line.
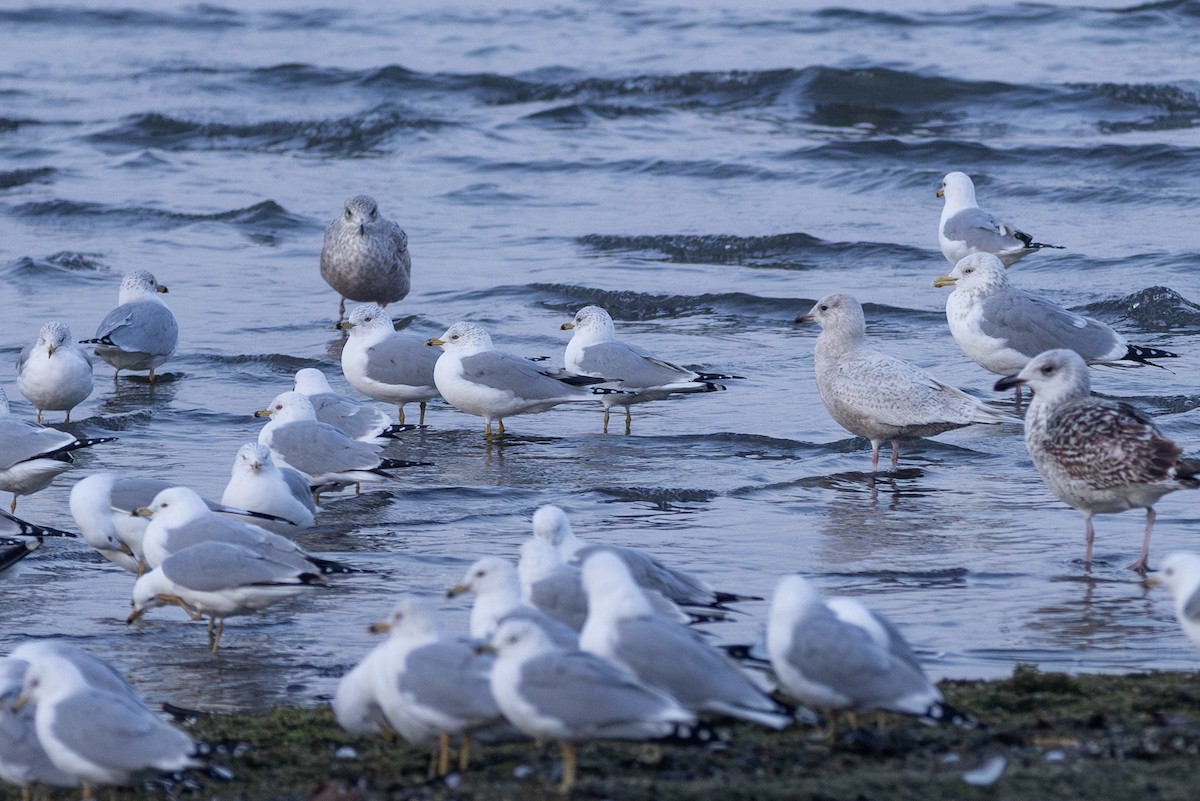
[[594, 350], [1001, 327], [141, 333], [23, 761], [1180, 573], [1097, 455], [497, 591], [877, 396], [478, 379], [365, 256], [54, 374], [965, 228], [257, 484], [355, 419], [384, 364]]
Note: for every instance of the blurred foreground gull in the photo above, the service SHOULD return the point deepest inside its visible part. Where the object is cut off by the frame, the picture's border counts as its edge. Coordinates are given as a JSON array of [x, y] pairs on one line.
[[23, 761], [594, 350], [31, 456], [324, 454], [1001, 327], [550, 523], [141, 333], [220, 579], [877, 396], [54, 374], [622, 628], [356, 420], [568, 696], [497, 591], [1097, 455], [384, 364], [257, 484], [476, 378], [965, 228], [1180, 573], [846, 661], [365, 256]]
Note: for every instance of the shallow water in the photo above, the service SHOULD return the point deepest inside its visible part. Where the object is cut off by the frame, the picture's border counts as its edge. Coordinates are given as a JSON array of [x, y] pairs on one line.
[[704, 173]]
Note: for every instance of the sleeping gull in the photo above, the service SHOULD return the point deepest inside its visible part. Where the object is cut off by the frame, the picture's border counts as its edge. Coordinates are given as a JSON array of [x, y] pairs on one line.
[[832, 663], [1001, 327], [355, 419], [622, 628], [384, 364], [476, 378], [54, 374], [965, 228], [141, 333], [1097, 455], [220, 579], [31, 456], [1180, 573], [256, 483], [568, 696], [877, 396], [497, 591], [594, 350], [365, 256], [23, 761]]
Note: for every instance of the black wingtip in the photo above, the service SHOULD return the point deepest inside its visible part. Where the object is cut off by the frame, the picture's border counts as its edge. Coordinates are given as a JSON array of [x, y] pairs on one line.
[[390, 464], [1143, 355]]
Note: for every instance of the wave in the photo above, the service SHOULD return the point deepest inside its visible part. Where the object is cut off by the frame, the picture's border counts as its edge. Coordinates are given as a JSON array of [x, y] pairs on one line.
[[34, 175], [261, 218], [1155, 309], [64, 263], [796, 251]]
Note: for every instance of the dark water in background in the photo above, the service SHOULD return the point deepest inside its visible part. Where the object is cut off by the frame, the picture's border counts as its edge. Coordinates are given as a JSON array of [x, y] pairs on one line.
[[705, 173]]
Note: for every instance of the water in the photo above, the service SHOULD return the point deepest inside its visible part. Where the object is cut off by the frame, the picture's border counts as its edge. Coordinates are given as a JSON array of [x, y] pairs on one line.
[[705, 173]]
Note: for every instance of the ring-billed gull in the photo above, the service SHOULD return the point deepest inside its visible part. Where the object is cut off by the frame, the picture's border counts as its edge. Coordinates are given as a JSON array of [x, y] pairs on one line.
[[141, 333], [965, 228], [324, 454], [365, 256], [54, 374], [834, 663], [23, 761], [595, 350], [877, 396], [497, 591], [476, 378], [355, 419], [31, 456], [256, 483], [550, 693], [550, 523], [622, 628], [1001, 327], [1097, 455], [384, 364], [220, 579], [1180, 573]]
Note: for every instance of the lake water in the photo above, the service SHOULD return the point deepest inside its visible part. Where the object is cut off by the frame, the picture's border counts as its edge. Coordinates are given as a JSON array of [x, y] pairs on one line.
[[705, 172]]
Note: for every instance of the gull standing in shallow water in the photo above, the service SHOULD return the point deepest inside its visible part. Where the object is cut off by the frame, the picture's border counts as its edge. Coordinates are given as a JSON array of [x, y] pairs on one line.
[[141, 333], [54, 374], [1180, 573], [355, 419], [965, 228], [594, 350], [1097, 455], [873, 395], [384, 364], [257, 484], [365, 256]]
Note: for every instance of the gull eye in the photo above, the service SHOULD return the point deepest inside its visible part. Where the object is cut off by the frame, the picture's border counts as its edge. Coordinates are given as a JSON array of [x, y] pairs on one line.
[[823, 307], [163, 505], [969, 270], [1048, 370], [349, 214], [454, 337], [368, 319]]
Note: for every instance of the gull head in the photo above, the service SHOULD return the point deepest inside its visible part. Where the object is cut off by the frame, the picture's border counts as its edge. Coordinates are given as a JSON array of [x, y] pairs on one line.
[[253, 458], [793, 595], [958, 189], [288, 407], [410, 618], [366, 318], [1054, 376], [838, 312], [611, 590], [592, 323], [518, 639], [360, 211], [139, 284], [978, 273], [173, 506], [1179, 573], [48, 678], [53, 336], [147, 593], [485, 575], [311, 381], [463, 337], [551, 524]]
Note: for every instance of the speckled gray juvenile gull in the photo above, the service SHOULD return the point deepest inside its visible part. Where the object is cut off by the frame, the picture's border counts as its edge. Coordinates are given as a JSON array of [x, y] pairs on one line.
[[965, 228], [365, 256], [54, 374], [141, 333]]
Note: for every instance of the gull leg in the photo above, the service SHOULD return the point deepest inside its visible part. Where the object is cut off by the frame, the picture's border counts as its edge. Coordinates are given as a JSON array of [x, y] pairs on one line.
[[1140, 564], [605, 419], [341, 309], [895, 454], [68, 416], [402, 414], [217, 640], [874, 456], [39, 416], [500, 429], [1090, 533], [569, 761], [443, 754], [628, 421], [487, 432], [464, 753], [151, 375], [421, 421], [88, 792], [12, 507]]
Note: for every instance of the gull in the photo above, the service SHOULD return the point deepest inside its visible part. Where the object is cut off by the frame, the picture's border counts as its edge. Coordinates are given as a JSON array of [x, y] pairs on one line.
[[477, 379], [550, 523], [1180, 573], [355, 707], [19, 538], [965, 228], [877, 396], [594, 350], [96, 671], [1001, 327], [31, 456], [23, 761], [497, 591], [365, 256], [1097, 455], [384, 364], [622, 627], [324, 454], [14, 550], [220, 579], [256, 483], [141, 333], [355, 419], [54, 374], [568, 696], [833, 663]]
